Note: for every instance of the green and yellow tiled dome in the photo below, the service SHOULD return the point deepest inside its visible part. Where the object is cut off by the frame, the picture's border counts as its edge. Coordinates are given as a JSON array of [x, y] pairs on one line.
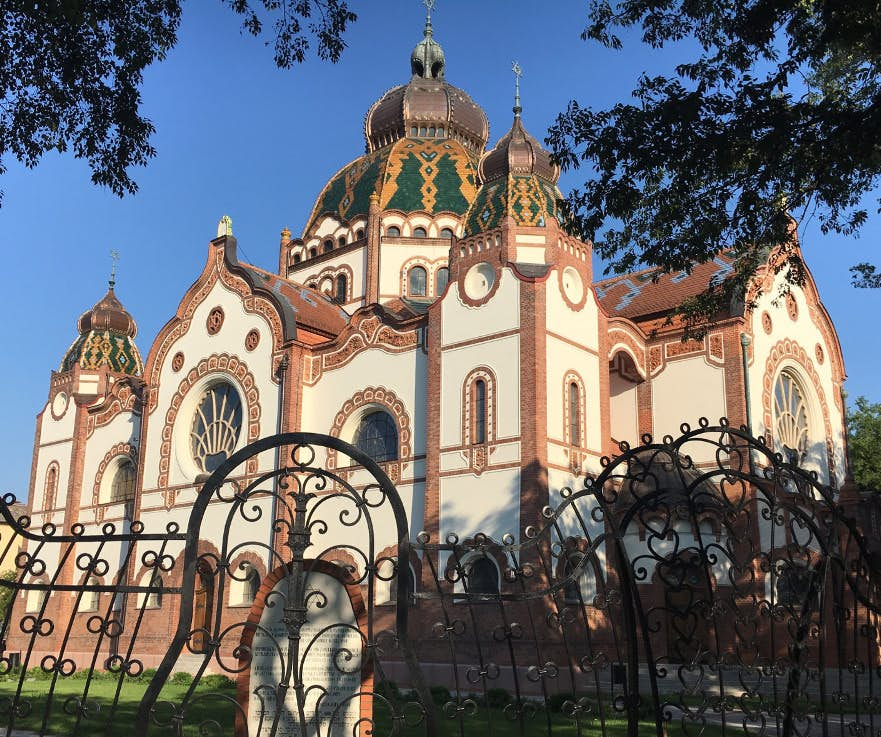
[[411, 174], [519, 180], [106, 340]]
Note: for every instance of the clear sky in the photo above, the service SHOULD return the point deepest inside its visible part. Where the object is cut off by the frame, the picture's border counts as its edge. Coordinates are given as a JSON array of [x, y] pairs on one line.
[[237, 136]]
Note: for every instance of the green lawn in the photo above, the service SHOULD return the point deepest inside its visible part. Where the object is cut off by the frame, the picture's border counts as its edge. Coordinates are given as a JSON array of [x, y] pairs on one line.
[[216, 705]]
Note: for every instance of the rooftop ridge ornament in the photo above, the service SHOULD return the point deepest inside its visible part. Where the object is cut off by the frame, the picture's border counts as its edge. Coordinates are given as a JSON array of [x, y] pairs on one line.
[[224, 227], [114, 257], [518, 72]]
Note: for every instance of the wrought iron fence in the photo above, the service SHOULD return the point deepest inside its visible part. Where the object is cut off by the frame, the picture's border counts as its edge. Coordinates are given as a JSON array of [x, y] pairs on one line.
[[695, 586]]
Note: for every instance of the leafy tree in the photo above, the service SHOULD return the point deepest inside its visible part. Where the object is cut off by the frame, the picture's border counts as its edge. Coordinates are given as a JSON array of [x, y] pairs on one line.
[[70, 71], [777, 112], [864, 444]]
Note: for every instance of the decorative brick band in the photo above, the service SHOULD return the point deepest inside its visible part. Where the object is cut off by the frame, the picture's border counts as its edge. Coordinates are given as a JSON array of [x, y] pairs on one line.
[[788, 349], [221, 364]]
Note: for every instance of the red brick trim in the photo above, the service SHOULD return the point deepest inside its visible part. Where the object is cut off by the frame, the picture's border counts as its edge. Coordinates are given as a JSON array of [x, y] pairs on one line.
[[790, 350], [388, 400], [359, 610], [478, 453], [221, 364], [127, 450], [124, 396]]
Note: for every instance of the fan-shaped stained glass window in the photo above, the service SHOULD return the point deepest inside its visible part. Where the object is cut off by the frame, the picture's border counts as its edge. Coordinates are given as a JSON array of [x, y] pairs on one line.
[[123, 487], [377, 436], [216, 426], [418, 280], [790, 418]]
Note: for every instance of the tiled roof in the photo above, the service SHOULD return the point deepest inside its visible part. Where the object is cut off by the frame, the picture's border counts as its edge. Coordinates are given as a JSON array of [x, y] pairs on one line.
[[649, 292], [412, 174], [301, 305], [528, 199]]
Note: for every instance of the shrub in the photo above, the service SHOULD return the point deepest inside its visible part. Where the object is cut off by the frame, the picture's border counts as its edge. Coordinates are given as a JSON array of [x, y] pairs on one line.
[[556, 700], [217, 681], [182, 678], [440, 694], [497, 698]]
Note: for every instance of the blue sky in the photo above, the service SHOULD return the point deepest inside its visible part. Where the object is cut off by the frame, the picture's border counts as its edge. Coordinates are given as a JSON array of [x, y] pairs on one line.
[[237, 136]]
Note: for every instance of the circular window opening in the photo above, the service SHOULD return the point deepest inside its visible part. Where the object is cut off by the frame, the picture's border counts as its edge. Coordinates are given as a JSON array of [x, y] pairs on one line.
[[479, 280], [573, 287], [377, 436], [217, 425]]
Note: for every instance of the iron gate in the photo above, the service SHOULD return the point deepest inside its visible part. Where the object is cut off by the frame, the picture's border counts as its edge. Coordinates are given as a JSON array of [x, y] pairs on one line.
[[695, 586]]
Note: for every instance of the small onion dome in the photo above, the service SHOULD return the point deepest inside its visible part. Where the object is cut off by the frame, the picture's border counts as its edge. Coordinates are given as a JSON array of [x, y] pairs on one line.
[[106, 339], [519, 180], [426, 107], [518, 153], [411, 175]]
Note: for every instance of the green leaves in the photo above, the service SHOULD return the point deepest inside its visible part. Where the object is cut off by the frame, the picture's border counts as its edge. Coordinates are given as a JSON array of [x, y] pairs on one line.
[[71, 71], [864, 444], [779, 114]]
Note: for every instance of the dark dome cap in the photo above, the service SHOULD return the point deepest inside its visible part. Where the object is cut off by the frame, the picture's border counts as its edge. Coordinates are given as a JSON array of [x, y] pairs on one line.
[[518, 153], [108, 314]]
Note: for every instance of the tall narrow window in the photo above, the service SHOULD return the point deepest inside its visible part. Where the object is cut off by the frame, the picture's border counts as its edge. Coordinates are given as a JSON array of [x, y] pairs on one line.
[[479, 411], [313, 252], [441, 279], [123, 487], [417, 282], [341, 241], [51, 488], [297, 258], [341, 288], [574, 414]]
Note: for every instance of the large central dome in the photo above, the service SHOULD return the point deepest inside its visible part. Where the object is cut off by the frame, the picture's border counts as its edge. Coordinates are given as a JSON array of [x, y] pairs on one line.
[[424, 141], [427, 106]]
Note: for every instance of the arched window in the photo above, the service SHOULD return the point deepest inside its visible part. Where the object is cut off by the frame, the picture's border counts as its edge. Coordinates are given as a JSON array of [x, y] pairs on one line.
[[441, 279], [447, 233], [153, 598], [341, 241], [341, 288], [122, 488], [478, 434], [377, 436], [574, 414], [420, 232], [313, 252], [50, 488], [393, 231], [790, 418], [359, 234], [328, 245], [297, 258], [417, 282], [36, 597], [216, 426], [481, 575], [90, 600]]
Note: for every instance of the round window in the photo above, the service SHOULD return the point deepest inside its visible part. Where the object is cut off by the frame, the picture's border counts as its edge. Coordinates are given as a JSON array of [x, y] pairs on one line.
[[217, 425], [479, 280], [573, 287]]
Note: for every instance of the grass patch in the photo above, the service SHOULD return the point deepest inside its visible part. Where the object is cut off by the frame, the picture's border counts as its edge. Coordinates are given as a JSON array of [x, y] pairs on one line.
[[214, 701]]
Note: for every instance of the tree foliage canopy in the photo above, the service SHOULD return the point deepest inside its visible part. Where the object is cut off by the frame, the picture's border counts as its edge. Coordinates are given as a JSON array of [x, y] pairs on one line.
[[71, 70], [864, 444], [778, 112]]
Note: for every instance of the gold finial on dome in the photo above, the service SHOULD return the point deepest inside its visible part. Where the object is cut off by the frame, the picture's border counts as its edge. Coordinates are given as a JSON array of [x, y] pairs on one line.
[[518, 72]]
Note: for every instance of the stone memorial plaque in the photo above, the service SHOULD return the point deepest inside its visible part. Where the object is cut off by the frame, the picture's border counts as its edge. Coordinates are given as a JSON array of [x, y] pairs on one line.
[[330, 660]]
